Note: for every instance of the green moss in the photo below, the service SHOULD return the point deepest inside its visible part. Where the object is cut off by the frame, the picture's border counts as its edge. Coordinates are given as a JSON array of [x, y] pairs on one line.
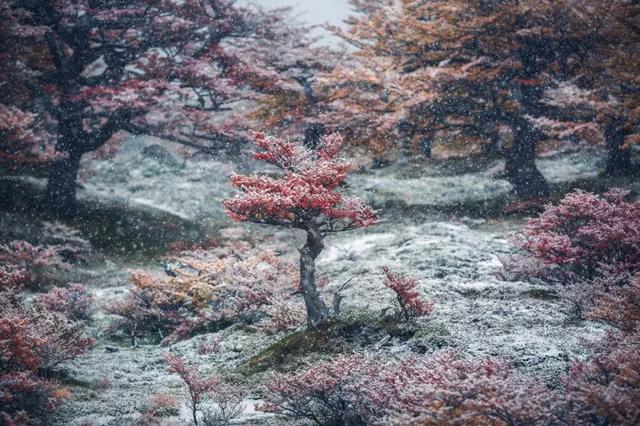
[[542, 294], [288, 351]]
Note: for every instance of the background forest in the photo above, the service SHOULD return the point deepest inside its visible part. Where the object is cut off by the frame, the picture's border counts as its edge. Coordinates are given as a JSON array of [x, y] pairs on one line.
[[212, 212]]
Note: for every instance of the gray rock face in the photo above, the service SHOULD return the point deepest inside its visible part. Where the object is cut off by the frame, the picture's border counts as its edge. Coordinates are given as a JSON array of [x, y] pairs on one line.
[[162, 155]]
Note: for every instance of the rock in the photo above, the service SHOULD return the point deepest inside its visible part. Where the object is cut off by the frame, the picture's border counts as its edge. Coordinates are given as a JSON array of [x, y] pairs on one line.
[[162, 155]]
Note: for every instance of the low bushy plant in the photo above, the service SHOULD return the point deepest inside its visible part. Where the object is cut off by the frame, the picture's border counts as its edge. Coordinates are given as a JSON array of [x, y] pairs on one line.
[[410, 303], [441, 389], [74, 301], [207, 287], [33, 341]]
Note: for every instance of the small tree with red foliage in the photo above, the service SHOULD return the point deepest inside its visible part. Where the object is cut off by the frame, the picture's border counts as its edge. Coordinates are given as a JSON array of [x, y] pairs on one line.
[[406, 290], [196, 385], [307, 197]]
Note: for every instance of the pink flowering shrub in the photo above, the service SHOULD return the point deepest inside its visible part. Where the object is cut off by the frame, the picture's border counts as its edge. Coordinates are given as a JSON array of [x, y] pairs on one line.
[[33, 341], [441, 389], [410, 304], [33, 262], [74, 301], [585, 233], [206, 289], [605, 389]]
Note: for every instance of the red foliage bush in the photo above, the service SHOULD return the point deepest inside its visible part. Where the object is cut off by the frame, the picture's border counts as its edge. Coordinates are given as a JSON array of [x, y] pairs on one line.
[[605, 390], [282, 315], [205, 288], [586, 233], [74, 301], [618, 304], [33, 341], [11, 277], [406, 289], [196, 385], [588, 244], [33, 262], [441, 389]]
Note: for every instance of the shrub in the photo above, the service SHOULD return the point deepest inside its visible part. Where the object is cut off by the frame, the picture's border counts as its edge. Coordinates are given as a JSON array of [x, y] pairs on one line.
[[588, 244], [441, 389], [162, 405], [72, 246], [618, 304], [584, 234], [11, 277], [227, 406], [196, 385], [74, 301], [605, 389], [33, 262], [282, 315], [33, 341], [410, 304], [202, 288]]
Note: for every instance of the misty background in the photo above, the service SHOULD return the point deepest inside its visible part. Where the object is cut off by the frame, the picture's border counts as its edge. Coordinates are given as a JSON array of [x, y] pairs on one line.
[[315, 12]]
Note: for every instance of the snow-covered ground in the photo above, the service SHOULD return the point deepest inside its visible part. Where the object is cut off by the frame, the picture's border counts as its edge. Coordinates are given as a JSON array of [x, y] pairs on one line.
[[455, 258]]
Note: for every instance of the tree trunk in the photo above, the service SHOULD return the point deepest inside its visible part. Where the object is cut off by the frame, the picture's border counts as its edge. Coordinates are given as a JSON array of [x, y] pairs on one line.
[[618, 158], [424, 143], [60, 195], [520, 166], [492, 149], [313, 135], [317, 312]]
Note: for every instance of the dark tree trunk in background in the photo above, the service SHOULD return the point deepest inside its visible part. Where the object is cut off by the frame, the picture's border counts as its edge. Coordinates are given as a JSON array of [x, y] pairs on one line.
[[520, 166], [424, 143], [313, 135], [619, 157], [492, 149], [317, 312], [60, 195]]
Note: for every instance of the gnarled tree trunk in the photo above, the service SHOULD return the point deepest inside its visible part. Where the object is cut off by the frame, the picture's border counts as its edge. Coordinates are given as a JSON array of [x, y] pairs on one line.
[[60, 195], [520, 166], [317, 312]]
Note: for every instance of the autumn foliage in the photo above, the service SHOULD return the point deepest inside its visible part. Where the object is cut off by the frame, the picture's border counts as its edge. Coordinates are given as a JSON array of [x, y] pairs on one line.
[[410, 303], [585, 233], [209, 288], [93, 70], [33, 341], [305, 196], [441, 389]]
